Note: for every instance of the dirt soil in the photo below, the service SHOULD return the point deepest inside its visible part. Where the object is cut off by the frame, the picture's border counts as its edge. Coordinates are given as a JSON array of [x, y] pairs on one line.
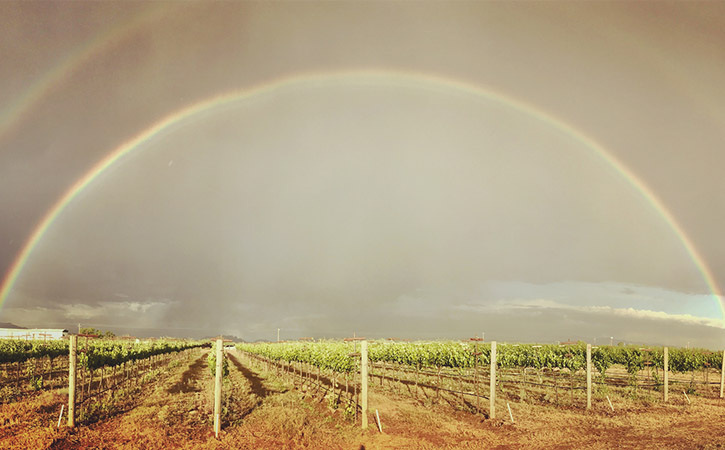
[[263, 411]]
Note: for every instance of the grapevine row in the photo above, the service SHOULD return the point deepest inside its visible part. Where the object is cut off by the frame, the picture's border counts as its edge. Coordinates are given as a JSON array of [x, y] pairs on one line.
[[336, 356], [94, 355], [112, 353], [19, 351]]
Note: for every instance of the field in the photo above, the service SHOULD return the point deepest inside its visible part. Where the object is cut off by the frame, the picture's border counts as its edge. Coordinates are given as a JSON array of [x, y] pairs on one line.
[[268, 404]]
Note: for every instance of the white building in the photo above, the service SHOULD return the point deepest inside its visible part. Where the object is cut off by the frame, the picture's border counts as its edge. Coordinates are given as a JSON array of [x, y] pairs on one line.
[[42, 334]]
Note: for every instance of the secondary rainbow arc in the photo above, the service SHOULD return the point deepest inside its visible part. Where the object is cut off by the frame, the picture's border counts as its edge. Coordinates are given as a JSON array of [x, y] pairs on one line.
[[12, 115], [378, 77]]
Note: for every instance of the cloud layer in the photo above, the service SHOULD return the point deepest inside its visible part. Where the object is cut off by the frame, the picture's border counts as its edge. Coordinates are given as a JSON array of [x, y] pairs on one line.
[[497, 309]]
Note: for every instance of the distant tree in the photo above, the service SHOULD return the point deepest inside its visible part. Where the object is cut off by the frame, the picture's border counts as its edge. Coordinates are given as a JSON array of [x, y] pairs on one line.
[[97, 332]]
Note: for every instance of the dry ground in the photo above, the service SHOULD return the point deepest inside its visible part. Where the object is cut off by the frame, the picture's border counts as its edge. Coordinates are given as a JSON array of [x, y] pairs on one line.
[[265, 411]]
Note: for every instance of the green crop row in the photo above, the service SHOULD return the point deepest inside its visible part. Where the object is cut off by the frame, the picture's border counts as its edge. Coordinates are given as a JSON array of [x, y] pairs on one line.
[[100, 353], [92, 355], [18, 351], [333, 356], [336, 355]]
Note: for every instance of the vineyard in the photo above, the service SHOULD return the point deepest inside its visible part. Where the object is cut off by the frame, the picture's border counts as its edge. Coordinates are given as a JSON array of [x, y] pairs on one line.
[[335, 355], [525, 372], [104, 366], [221, 391]]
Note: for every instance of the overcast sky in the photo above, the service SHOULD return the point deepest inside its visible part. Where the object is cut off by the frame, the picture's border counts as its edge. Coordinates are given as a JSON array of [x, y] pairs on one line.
[[372, 202]]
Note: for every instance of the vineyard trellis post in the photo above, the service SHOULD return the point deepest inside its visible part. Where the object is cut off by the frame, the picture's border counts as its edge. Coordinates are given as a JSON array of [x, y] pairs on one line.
[[218, 388], [72, 381], [476, 353], [589, 376], [492, 395], [722, 374], [475, 371], [364, 382], [667, 373]]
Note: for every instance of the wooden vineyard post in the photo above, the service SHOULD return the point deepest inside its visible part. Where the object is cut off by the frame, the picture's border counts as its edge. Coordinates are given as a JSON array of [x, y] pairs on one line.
[[589, 376], [475, 386], [460, 385], [722, 374], [523, 390], [667, 374], [492, 394], [438, 386], [417, 370], [476, 353], [72, 381], [364, 382], [218, 388], [571, 386]]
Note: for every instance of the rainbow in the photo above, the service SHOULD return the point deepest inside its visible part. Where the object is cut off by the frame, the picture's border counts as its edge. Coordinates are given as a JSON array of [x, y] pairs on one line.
[[17, 110], [372, 77]]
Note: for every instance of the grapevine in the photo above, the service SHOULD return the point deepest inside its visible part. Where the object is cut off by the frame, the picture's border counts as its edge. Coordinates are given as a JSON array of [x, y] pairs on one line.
[[336, 355]]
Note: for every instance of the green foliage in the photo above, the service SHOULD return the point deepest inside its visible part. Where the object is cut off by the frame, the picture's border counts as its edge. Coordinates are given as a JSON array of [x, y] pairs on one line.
[[333, 356], [429, 354], [100, 353], [602, 359], [36, 383], [19, 351], [635, 359], [688, 360], [336, 355], [630, 357], [464, 355], [572, 357], [349, 413], [92, 355], [96, 332], [332, 401]]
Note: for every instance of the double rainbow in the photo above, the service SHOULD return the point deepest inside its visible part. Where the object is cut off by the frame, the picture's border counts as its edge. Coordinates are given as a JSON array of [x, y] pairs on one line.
[[373, 77]]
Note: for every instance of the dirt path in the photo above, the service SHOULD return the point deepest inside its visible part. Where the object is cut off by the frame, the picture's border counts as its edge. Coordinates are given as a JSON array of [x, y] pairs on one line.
[[175, 411], [189, 378], [244, 391], [256, 383]]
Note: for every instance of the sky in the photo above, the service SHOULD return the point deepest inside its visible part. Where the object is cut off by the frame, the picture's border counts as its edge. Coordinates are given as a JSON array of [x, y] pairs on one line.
[[532, 172]]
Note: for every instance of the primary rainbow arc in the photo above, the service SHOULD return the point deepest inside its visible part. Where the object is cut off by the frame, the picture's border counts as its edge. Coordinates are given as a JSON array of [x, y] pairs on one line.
[[378, 77]]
